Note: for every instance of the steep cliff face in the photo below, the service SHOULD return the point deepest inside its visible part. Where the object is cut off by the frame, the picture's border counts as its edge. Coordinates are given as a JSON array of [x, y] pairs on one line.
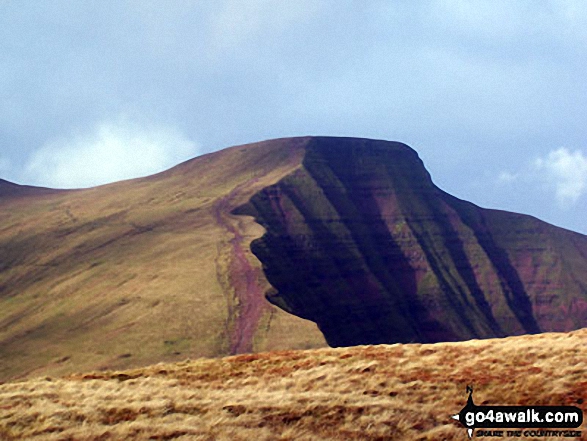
[[359, 240]]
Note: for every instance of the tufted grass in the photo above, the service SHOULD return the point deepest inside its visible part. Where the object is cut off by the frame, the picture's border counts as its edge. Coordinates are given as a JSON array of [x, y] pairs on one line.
[[386, 392]]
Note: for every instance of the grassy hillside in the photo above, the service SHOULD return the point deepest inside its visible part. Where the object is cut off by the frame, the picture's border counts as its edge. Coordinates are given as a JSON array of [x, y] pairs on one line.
[[141, 271], [386, 392]]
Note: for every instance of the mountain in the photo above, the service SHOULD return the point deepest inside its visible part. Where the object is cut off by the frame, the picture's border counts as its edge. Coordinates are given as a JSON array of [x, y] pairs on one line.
[[352, 244]]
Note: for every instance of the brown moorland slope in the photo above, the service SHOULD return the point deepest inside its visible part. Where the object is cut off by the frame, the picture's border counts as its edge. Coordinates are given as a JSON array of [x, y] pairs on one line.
[[141, 271], [368, 393]]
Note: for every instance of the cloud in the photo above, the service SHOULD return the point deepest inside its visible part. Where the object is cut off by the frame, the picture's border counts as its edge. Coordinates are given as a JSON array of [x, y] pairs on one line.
[[4, 166], [566, 171], [561, 171], [465, 83], [235, 22], [111, 151], [507, 177]]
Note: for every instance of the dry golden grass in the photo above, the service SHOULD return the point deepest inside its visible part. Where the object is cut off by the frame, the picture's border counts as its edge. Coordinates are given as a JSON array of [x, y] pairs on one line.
[[386, 392]]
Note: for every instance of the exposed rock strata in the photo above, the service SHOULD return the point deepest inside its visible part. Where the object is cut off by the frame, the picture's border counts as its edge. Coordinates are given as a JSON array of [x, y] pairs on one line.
[[359, 240]]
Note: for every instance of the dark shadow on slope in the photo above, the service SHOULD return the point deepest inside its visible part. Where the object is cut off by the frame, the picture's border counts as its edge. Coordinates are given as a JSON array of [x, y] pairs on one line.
[[512, 285], [456, 293], [346, 273], [350, 182], [319, 277]]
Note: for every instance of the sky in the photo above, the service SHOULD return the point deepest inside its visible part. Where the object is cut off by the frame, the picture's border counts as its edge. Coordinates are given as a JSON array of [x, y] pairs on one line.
[[490, 93]]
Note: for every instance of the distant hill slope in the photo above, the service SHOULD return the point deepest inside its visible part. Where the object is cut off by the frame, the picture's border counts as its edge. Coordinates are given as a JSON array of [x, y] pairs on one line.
[[10, 189], [356, 238], [142, 271], [363, 393]]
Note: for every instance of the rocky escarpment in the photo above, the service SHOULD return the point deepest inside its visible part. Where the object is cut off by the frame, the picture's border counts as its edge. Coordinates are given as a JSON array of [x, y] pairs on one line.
[[359, 240]]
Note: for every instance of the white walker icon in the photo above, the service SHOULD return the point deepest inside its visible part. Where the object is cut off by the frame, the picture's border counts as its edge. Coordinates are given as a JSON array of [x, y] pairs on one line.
[[469, 431]]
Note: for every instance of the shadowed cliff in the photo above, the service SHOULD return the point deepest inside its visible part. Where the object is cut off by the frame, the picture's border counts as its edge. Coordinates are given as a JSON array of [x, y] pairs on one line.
[[360, 241]]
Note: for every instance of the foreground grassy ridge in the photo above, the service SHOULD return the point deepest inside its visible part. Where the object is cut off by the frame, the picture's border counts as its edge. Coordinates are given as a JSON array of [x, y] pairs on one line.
[[361, 393]]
